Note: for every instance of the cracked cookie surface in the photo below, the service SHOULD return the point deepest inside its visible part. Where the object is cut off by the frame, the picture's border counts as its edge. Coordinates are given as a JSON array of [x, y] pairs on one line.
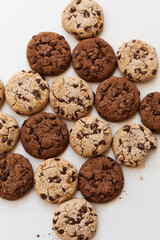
[[27, 93], [55, 180], [9, 132], [83, 19], [1, 93], [71, 98], [94, 60], [90, 136], [131, 143], [75, 219], [150, 111], [48, 53], [117, 99], [100, 179], [137, 61], [16, 176], [44, 135]]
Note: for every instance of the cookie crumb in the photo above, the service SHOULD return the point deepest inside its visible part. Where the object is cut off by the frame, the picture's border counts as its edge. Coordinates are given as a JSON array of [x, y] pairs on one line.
[[38, 235], [120, 197], [141, 177]]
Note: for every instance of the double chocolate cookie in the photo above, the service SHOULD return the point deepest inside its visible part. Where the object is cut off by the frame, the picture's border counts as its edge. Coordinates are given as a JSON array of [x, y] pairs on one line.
[[71, 98], [75, 219], [48, 53], [44, 135], [117, 99], [137, 61], [100, 179], [16, 176], [94, 60], [55, 180]]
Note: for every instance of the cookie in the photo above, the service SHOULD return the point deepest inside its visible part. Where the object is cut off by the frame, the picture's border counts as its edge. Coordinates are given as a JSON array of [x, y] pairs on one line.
[[150, 111], [9, 132], [114, 103], [16, 176], [1, 93], [83, 19], [44, 135], [75, 219], [131, 143], [27, 93], [94, 60], [90, 136], [137, 61], [55, 180], [71, 98], [48, 53], [100, 179]]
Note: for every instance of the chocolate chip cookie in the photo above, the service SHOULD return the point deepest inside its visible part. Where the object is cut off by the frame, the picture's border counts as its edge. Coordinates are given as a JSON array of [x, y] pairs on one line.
[[75, 219], [71, 98], [94, 60], [83, 19], [90, 136], [55, 180], [48, 53], [44, 135], [16, 176], [100, 179], [27, 92], [137, 61], [150, 111], [1, 93], [117, 99], [131, 143], [9, 132]]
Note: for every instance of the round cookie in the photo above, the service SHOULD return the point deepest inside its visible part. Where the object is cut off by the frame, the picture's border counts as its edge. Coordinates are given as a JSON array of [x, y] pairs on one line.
[[94, 60], [131, 143], [90, 136], [114, 103], [137, 61], [16, 176], [27, 93], [75, 219], [48, 53], [100, 179], [71, 98], [1, 93], [55, 180], [83, 19], [150, 111], [44, 135], [9, 132]]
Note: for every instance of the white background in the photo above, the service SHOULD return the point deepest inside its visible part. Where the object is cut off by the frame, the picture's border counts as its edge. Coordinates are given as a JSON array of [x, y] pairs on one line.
[[136, 215]]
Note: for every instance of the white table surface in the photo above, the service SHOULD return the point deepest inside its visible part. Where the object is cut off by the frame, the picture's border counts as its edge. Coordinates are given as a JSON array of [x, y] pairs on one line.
[[136, 215]]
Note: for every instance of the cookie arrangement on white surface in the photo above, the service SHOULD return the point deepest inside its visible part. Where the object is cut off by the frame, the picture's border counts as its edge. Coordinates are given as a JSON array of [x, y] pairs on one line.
[[45, 135]]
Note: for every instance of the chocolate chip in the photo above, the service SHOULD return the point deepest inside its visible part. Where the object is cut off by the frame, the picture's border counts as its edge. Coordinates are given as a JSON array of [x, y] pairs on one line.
[[98, 13], [154, 72], [1, 125], [78, 25], [51, 198], [141, 146], [79, 1], [36, 93], [86, 14], [126, 128], [64, 170], [73, 9], [61, 231], [125, 72], [87, 28], [96, 25], [43, 196]]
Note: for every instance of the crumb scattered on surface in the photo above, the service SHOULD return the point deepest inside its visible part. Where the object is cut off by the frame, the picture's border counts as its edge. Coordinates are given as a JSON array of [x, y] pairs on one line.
[[141, 177], [120, 197], [38, 235], [124, 190]]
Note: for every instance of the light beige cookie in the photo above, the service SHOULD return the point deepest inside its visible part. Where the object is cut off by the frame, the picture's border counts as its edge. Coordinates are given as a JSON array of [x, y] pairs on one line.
[[71, 98], [137, 61], [27, 93], [1, 93], [83, 18], [9, 132], [90, 136], [75, 220], [55, 180], [131, 143]]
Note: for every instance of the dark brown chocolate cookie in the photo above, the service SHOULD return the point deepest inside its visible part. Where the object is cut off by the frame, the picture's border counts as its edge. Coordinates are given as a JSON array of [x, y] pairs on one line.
[[44, 135], [48, 53], [117, 99], [150, 111], [100, 179], [16, 176], [94, 60]]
